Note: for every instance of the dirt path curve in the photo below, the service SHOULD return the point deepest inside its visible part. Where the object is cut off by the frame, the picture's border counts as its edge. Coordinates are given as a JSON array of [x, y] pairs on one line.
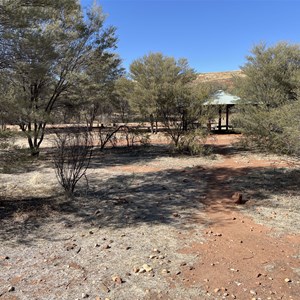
[[241, 259]]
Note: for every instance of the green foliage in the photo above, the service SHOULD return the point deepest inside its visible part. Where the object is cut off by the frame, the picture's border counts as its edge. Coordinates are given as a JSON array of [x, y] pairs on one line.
[[157, 79], [269, 115], [165, 91], [193, 143], [46, 48], [122, 97], [272, 75]]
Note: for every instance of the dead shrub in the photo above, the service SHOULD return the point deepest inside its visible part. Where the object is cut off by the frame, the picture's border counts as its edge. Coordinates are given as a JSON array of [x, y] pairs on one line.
[[73, 152]]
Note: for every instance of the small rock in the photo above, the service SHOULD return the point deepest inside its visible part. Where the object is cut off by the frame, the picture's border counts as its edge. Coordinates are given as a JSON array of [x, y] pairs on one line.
[[11, 289], [147, 268], [178, 273], [233, 296], [70, 246], [128, 248], [287, 280], [4, 257], [97, 245], [161, 256], [106, 246], [238, 198], [183, 264], [142, 270], [156, 250], [117, 279], [104, 288], [217, 234], [217, 290], [152, 256], [252, 292], [84, 295], [165, 271], [206, 280], [91, 232], [136, 270]]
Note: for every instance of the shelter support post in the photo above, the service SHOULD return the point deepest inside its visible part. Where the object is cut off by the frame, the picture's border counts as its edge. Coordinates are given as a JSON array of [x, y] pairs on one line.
[[220, 118], [227, 117]]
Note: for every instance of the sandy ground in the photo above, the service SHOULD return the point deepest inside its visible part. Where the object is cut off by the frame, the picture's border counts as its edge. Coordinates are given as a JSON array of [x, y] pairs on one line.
[[150, 225]]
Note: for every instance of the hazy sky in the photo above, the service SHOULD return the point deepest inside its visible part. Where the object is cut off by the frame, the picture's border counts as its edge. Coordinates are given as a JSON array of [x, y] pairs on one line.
[[213, 35]]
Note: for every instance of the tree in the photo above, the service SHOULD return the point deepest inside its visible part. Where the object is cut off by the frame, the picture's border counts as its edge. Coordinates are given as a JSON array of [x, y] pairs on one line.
[[97, 85], [45, 46], [270, 94], [158, 82], [123, 92], [164, 89]]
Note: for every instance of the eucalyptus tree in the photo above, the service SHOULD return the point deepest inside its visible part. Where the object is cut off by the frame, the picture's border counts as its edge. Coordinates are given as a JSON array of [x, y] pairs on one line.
[[45, 46]]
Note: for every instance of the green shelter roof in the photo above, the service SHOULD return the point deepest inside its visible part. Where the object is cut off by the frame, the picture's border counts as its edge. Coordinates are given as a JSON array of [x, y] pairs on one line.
[[222, 98]]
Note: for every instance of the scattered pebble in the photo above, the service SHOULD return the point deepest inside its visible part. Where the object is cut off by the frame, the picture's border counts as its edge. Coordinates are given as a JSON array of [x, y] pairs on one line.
[[117, 279], [11, 289], [252, 292], [147, 268]]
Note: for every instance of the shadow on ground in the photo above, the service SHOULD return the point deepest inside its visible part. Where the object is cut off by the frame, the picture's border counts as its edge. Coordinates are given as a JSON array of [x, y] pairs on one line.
[[173, 197]]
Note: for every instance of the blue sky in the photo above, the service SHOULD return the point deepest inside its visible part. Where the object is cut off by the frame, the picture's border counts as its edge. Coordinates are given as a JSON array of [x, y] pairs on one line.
[[213, 35]]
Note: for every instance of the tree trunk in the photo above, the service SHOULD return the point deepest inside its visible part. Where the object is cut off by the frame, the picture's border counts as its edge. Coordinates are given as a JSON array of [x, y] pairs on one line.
[[152, 123], [35, 135]]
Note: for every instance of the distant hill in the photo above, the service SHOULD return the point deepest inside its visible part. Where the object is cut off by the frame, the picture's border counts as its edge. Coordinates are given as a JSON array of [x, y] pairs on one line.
[[225, 78]]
